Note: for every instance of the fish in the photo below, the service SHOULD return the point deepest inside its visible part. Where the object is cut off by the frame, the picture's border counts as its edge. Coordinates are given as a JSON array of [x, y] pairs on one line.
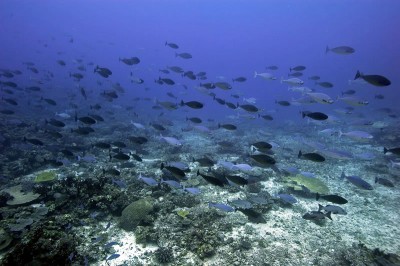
[[261, 146], [292, 81], [312, 156], [242, 167], [120, 156], [324, 84], [239, 79], [332, 209], [192, 190], [332, 198], [379, 96], [130, 61], [272, 67], [172, 45], [287, 198], [283, 103], [102, 71], [148, 180], [238, 180], [192, 104], [212, 180], [356, 135], [314, 115], [252, 215], [49, 101], [348, 92], [376, 80], [204, 161], [384, 181], [357, 181], [316, 215], [221, 206], [295, 74], [266, 76], [171, 183], [314, 78], [87, 120], [175, 171], [113, 257], [240, 203], [297, 68], [55, 122], [195, 120], [10, 101], [249, 108], [342, 50], [36, 142], [171, 140], [183, 55], [263, 159], [223, 85], [77, 76], [392, 150], [227, 126], [354, 101]]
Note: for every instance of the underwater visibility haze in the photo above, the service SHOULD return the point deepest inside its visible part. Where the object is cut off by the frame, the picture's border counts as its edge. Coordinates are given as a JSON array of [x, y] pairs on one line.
[[199, 132]]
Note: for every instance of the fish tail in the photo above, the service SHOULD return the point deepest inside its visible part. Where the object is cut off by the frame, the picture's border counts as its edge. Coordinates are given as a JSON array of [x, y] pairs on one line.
[[166, 43], [303, 114], [342, 175], [281, 79], [376, 180], [255, 74], [300, 154], [320, 207], [340, 133], [358, 75], [385, 150], [198, 172], [327, 49], [328, 215], [317, 197]]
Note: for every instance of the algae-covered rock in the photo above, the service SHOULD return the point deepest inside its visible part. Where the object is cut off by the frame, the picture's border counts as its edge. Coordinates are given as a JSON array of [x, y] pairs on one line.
[[45, 176], [134, 213], [19, 196], [314, 185]]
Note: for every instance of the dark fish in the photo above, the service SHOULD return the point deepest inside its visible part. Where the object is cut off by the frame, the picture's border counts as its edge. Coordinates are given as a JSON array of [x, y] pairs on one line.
[[87, 120], [49, 101], [102, 71], [238, 180], [67, 153], [295, 74], [231, 105], [195, 120], [183, 55], [33, 88], [192, 104], [208, 85], [267, 117], [249, 108], [83, 130], [262, 146], [392, 150], [130, 61], [314, 115], [239, 79], [83, 92], [324, 84], [348, 92], [312, 156], [272, 67], [376, 80], [54, 134], [252, 215], [204, 162], [212, 180], [136, 157], [119, 144], [61, 62], [96, 106], [172, 45], [316, 215], [7, 112], [167, 81], [227, 126], [287, 198], [332, 198], [120, 156], [283, 103], [55, 123], [10, 101], [9, 84], [379, 96], [97, 117], [342, 50], [219, 100], [78, 76], [384, 181], [263, 159], [176, 69], [223, 85], [175, 171], [297, 68], [314, 78], [34, 141], [358, 181], [102, 145]]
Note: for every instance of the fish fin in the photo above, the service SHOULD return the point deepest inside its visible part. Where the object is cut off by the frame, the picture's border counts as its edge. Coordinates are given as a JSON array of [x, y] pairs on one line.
[[320, 207], [300, 154], [358, 75], [255, 74], [327, 49], [385, 150]]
